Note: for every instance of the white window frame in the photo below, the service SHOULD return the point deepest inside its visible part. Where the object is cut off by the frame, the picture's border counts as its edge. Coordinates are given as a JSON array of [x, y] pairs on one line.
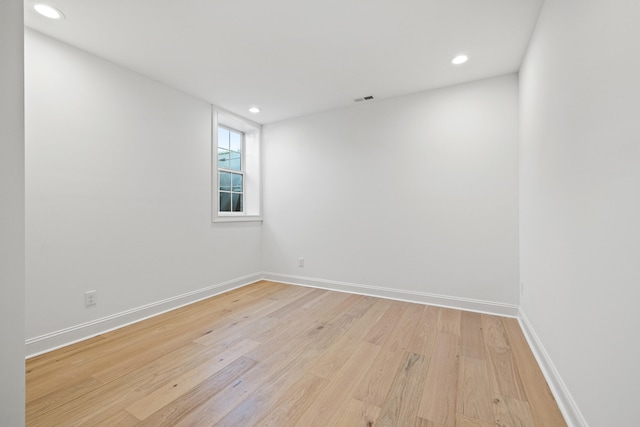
[[251, 166]]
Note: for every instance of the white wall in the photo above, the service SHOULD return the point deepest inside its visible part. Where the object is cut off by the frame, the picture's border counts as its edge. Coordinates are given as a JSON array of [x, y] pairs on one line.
[[12, 259], [416, 193], [118, 192], [580, 200]]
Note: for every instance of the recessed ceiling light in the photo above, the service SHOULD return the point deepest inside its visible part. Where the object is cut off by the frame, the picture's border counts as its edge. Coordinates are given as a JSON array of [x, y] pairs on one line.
[[254, 110], [48, 11], [460, 59]]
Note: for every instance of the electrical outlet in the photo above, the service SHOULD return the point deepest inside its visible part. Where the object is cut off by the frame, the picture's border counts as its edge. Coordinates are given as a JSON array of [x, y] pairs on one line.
[[300, 262], [90, 298]]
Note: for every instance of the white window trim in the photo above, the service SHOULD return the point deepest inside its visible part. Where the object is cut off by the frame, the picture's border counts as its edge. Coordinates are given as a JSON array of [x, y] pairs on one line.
[[252, 197]]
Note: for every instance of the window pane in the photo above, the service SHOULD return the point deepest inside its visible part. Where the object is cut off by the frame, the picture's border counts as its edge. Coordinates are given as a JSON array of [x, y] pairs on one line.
[[225, 181], [225, 202], [223, 138], [224, 158], [234, 163], [237, 202], [236, 180], [236, 141]]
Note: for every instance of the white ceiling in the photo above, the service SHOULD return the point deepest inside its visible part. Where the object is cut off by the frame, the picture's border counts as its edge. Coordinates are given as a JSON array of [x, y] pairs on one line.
[[296, 57]]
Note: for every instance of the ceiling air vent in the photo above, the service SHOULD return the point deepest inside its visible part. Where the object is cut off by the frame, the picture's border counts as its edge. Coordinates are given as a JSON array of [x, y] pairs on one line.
[[366, 98]]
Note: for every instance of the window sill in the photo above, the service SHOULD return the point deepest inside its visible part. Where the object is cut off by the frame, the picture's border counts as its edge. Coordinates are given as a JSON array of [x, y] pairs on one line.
[[237, 218]]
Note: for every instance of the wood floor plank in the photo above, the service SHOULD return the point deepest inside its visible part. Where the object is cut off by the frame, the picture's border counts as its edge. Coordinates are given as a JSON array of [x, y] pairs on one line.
[[290, 326], [471, 335], [172, 413], [351, 302], [139, 356], [292, 359], [512, 413], [359, 414], [293, 402], [463, 421], [494, 333], [114, 396], [246, 324], [132, 343], [438, 403], [402, 401], [251, 409], [339, 352], [184, 383], [298, 303], [337, 390], [296, 356], [41, 384], [386, 324], [60, 397], [218, 406], [424, 337], [375, 385], [62, 355], [255, 406], [543, 406], [504, 375], [329, 333], [474, 390], [404, 331], [120, 419], [449, 321], [421, 422]]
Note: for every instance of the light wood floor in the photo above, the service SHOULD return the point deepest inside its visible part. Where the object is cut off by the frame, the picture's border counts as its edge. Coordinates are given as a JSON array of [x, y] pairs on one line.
[[281, 355]]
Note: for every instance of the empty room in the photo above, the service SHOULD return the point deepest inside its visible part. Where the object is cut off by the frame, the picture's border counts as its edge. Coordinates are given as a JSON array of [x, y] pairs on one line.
[[340, 213]]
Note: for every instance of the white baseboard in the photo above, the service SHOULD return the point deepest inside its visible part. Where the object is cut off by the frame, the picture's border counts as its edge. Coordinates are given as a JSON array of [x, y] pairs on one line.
[[480, 306], [567, 405], [64, 337]]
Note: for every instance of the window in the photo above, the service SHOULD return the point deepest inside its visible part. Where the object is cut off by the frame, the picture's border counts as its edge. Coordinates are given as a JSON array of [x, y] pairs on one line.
[[236, 169], [230, 170]]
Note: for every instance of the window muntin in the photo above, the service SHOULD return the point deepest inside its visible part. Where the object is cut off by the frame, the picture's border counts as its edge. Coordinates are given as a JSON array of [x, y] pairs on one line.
[[230, 170]]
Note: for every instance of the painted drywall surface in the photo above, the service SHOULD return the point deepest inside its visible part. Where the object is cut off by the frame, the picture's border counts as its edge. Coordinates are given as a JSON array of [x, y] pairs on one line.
[[580, 200], [417, 193], [118, 191], [12, 259]]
